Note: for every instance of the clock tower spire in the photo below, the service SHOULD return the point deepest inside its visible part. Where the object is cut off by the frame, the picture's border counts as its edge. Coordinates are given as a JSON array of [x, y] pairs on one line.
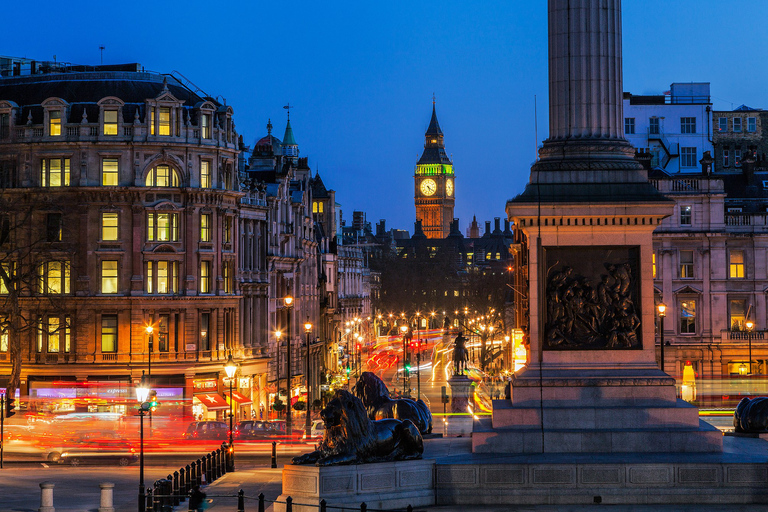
[[434, 183]]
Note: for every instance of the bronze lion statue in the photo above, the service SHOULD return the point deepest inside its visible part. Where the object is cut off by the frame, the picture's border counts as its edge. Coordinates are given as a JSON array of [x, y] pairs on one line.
[[375, 396], [751, 415], [353, 438]]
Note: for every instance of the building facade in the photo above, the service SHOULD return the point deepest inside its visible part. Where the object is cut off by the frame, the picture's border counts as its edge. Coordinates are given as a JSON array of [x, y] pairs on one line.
[[121, 195], [676, 127]]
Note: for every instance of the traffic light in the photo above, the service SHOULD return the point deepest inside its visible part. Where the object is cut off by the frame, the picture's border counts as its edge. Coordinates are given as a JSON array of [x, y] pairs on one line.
[[408, 366], [10, 407], [348, 370], [151, 403]]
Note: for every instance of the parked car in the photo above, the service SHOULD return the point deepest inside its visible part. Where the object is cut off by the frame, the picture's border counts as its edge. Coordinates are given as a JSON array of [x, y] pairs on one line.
[[254, 429], [207, 430]]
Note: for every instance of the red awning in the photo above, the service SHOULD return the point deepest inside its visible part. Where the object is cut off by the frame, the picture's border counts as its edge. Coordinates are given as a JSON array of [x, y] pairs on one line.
[[213, 401], [239, 398]]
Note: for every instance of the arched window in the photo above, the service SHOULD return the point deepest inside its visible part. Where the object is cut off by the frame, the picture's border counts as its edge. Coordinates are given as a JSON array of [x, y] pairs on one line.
[[163, 176]]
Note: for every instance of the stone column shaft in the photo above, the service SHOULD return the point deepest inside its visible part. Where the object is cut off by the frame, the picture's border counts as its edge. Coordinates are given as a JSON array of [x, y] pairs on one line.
[[585, 69]]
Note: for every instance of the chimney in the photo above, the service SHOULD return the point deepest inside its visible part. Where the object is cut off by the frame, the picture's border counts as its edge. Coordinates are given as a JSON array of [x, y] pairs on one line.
[[497, 225], [487, 228]]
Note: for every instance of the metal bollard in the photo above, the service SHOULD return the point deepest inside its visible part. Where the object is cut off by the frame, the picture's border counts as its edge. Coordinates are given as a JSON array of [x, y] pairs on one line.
[[261, 502], [363, 507], [46, 497], [150, 498], [274, 454], [187, 483], [106, 501], [198, 473], [409, 508], [176, 489], [168, 501], [224, 458], [288, 504], [322, 505], [217, 462], [240, 501], [182, 484], [209, 478]]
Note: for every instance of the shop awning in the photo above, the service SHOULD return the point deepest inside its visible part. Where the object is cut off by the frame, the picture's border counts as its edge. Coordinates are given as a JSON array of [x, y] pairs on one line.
[[239, 398], [213, 401]]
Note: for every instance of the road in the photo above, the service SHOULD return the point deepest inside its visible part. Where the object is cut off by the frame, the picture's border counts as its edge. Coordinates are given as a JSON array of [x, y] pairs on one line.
[[77, 488]]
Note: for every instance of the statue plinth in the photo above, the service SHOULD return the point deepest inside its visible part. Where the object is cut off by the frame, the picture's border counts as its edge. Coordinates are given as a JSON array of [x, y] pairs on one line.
[[461, 393], [387, 485]]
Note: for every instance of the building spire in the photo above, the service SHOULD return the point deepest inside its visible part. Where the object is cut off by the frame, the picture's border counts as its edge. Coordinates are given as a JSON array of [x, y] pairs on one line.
[[269, 126]]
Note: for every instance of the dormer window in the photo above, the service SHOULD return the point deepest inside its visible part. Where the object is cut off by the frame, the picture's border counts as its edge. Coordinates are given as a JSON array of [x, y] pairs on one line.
[[162, 176], [205, 126], [54, 123], [164, 125], [110, 122]]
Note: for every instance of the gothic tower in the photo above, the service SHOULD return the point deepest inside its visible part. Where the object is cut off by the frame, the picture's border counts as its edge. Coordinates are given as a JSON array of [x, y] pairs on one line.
[[434, 184]]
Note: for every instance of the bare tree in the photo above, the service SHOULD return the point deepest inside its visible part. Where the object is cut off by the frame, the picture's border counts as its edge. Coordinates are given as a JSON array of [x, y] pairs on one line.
[[37, 247]]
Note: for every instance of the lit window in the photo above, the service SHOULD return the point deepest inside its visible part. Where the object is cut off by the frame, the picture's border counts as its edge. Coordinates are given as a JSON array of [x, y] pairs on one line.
[[722, 124], [629, 125], [7, 279], [164, 117], [109, 172], [109, 225], [317, 207], [109, 333], [152, 121], [162, 176], [687, 157], [686, 216], [205, 227], [736, 264], [53, 227], [162, 277], [687, 125], [227, 230], [205, 277], [726, 158], [67, 333], [228, 281], [162, 227], [4, 334], [54, 172], [53, 278], [686, 264], [54, 123], [162, 333], [53, 335], [205, 321], [109, 276], [688, 317], [205, 174], [653, 264], [751, 124], [737, 311], [737, 124], [110, 122], [205, 126]]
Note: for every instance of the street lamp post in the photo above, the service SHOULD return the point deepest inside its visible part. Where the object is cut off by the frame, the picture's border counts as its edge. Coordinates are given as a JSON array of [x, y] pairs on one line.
[[142, 392], [278, 334], [750, 325], [308, 421], [288, 301], [150, 330], [662, 308], [230, 367], [404, 330]]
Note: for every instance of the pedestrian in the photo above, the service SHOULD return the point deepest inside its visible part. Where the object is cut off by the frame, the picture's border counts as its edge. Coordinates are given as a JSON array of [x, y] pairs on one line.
[[197, 500]]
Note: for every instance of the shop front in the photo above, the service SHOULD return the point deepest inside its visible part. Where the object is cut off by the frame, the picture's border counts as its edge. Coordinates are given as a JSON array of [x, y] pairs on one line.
[[207, 403]]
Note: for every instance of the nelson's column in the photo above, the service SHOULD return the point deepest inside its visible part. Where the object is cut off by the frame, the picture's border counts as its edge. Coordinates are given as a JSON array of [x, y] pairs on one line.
[[592, 384]]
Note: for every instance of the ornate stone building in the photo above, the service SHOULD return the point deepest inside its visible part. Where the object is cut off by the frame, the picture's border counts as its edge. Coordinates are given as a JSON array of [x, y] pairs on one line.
[[121, 198]]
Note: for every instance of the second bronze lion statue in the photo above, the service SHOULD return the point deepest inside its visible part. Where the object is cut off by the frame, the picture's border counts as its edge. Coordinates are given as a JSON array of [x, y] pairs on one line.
[[352, 438], [751, 415], [375, 396]]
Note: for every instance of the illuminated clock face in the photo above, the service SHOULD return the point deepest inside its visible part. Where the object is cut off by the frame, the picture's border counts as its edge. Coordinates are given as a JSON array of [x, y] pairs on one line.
[[449, 187], [428, 187]]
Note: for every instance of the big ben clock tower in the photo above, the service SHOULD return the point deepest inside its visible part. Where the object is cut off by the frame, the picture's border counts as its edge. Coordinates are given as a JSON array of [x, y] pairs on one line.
[[434, 184]]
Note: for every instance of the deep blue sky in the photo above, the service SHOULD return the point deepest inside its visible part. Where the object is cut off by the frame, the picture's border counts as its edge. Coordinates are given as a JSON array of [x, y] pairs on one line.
[[362, 75]]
